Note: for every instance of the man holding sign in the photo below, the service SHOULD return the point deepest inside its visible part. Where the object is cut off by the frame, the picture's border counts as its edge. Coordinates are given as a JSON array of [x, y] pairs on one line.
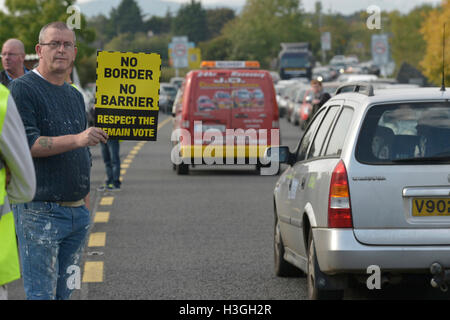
[[52, 228]]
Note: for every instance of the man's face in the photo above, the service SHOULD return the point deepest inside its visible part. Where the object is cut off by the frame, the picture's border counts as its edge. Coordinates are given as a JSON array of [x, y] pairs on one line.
[[57, 51], [12, 57], [316, 87]]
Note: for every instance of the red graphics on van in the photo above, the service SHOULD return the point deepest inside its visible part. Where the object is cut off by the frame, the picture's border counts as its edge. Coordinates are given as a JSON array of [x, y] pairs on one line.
[[226, 111]]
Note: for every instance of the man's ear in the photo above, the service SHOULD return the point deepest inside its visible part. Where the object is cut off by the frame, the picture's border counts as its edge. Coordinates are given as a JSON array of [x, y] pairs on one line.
[[38, 48]]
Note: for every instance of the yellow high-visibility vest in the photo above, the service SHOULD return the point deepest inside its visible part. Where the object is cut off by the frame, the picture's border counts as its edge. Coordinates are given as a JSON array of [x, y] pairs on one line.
[[9, 257]]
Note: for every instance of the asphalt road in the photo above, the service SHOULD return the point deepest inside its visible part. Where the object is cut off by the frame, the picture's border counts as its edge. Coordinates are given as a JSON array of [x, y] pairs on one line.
[[207, 235]]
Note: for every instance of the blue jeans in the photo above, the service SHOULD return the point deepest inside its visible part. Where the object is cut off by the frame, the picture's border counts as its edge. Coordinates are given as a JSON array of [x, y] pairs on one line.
[[111, 157], [51, 240]]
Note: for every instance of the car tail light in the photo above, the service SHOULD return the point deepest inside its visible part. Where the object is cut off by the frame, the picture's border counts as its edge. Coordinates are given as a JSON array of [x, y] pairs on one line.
[[339, 207]]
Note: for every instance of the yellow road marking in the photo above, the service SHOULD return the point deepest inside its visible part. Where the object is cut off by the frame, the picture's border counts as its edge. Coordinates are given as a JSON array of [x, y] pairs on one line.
[[101, 217], [133, 151], [93, 271], [125, 165], [127, 160], [97, 239], [163, 123], [123, 171], [106, 201]]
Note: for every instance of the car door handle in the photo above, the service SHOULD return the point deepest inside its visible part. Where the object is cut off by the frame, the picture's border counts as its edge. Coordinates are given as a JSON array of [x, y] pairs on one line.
[[303, 182]]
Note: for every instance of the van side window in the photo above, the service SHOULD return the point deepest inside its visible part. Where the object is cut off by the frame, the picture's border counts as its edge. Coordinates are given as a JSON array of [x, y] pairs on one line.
[[322, 132], [308, 136], [339, 133]]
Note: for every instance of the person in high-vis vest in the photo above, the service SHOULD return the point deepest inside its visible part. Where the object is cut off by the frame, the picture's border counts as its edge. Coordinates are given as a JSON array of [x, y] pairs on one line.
[[17, 184]]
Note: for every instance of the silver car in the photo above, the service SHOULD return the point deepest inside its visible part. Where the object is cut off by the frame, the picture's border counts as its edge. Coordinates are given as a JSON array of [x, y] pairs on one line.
[[368, 186]]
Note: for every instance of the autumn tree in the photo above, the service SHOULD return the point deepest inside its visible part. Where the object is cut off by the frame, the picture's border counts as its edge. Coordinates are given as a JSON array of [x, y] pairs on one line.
[[432, 31]]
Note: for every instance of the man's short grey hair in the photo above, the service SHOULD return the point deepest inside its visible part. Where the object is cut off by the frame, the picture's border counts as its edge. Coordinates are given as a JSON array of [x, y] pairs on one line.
[[19, 44], [56, 25]]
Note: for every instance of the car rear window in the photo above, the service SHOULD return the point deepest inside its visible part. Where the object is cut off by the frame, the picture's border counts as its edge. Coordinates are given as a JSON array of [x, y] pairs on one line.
[[405, 133]]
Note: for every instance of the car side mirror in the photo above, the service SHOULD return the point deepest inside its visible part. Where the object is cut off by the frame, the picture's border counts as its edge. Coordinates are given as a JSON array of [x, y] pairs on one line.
[[279, 154]]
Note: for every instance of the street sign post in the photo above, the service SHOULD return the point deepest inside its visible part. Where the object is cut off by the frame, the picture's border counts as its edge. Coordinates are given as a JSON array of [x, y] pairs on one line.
[[179, 50], [380, 51]]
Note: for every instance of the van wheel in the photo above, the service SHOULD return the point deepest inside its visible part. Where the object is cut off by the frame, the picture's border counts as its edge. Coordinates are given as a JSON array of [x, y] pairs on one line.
[[182, 169], [282, 267], [314, 292]]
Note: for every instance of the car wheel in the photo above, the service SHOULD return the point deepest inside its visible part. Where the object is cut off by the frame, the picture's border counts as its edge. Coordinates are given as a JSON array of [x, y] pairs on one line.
[[314, 292], [282, 267], [182, 169]]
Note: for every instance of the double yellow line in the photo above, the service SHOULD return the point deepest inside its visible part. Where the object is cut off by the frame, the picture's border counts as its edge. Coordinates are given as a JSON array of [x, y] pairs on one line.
[[93, 270]]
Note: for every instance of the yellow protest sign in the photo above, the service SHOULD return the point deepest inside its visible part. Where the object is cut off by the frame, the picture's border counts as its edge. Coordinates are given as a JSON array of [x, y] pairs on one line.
[[126, 101]]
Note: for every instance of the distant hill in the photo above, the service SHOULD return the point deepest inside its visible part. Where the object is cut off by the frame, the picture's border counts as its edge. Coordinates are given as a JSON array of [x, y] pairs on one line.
[[148, 8]]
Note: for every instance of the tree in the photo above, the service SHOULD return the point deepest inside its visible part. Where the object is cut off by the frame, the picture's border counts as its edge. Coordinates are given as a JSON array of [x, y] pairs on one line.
[[159, 25], [432, 31], [140, 42], [216, 49], [126, 18], [27, 17], [191, 21], [263, 24], [407, 43], [216, 20]]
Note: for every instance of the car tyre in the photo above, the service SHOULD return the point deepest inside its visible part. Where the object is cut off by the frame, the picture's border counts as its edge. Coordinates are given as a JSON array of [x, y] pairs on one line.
[[315, 293], [282, 267], [182, 169]]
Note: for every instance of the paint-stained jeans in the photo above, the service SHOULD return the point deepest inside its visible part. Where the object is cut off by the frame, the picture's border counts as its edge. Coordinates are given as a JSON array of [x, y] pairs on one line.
[[51, 241]]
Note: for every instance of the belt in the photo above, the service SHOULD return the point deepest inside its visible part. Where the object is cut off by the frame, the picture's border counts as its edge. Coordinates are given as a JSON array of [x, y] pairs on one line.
[[78, 203]]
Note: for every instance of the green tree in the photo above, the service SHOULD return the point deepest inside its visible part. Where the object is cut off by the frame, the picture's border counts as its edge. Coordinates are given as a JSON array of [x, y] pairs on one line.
[[140, 42], [159, 25], [262, 26], [216, 20], [27, 17], [216, 49], [126, 18], [191, 21]]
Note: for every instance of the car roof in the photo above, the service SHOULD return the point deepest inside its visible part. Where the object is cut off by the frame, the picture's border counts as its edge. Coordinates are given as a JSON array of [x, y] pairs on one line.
[[394, 95]]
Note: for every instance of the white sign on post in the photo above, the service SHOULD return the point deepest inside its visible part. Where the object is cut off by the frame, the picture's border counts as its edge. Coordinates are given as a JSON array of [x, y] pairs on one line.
[[325, 40], [179, 46], [380, 49]]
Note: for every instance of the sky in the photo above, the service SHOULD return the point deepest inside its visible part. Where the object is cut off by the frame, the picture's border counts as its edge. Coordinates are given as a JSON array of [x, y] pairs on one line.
[[341, 6]]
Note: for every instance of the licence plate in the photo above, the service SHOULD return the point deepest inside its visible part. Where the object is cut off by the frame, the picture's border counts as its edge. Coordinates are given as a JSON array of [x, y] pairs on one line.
[[429, 207]]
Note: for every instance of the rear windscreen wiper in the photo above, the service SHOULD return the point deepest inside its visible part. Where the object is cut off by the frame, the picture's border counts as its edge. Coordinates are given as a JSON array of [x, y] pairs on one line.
[[424, 159]]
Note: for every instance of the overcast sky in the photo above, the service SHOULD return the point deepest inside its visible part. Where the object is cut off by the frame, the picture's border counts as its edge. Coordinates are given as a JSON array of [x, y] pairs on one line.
[[341, 6]]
